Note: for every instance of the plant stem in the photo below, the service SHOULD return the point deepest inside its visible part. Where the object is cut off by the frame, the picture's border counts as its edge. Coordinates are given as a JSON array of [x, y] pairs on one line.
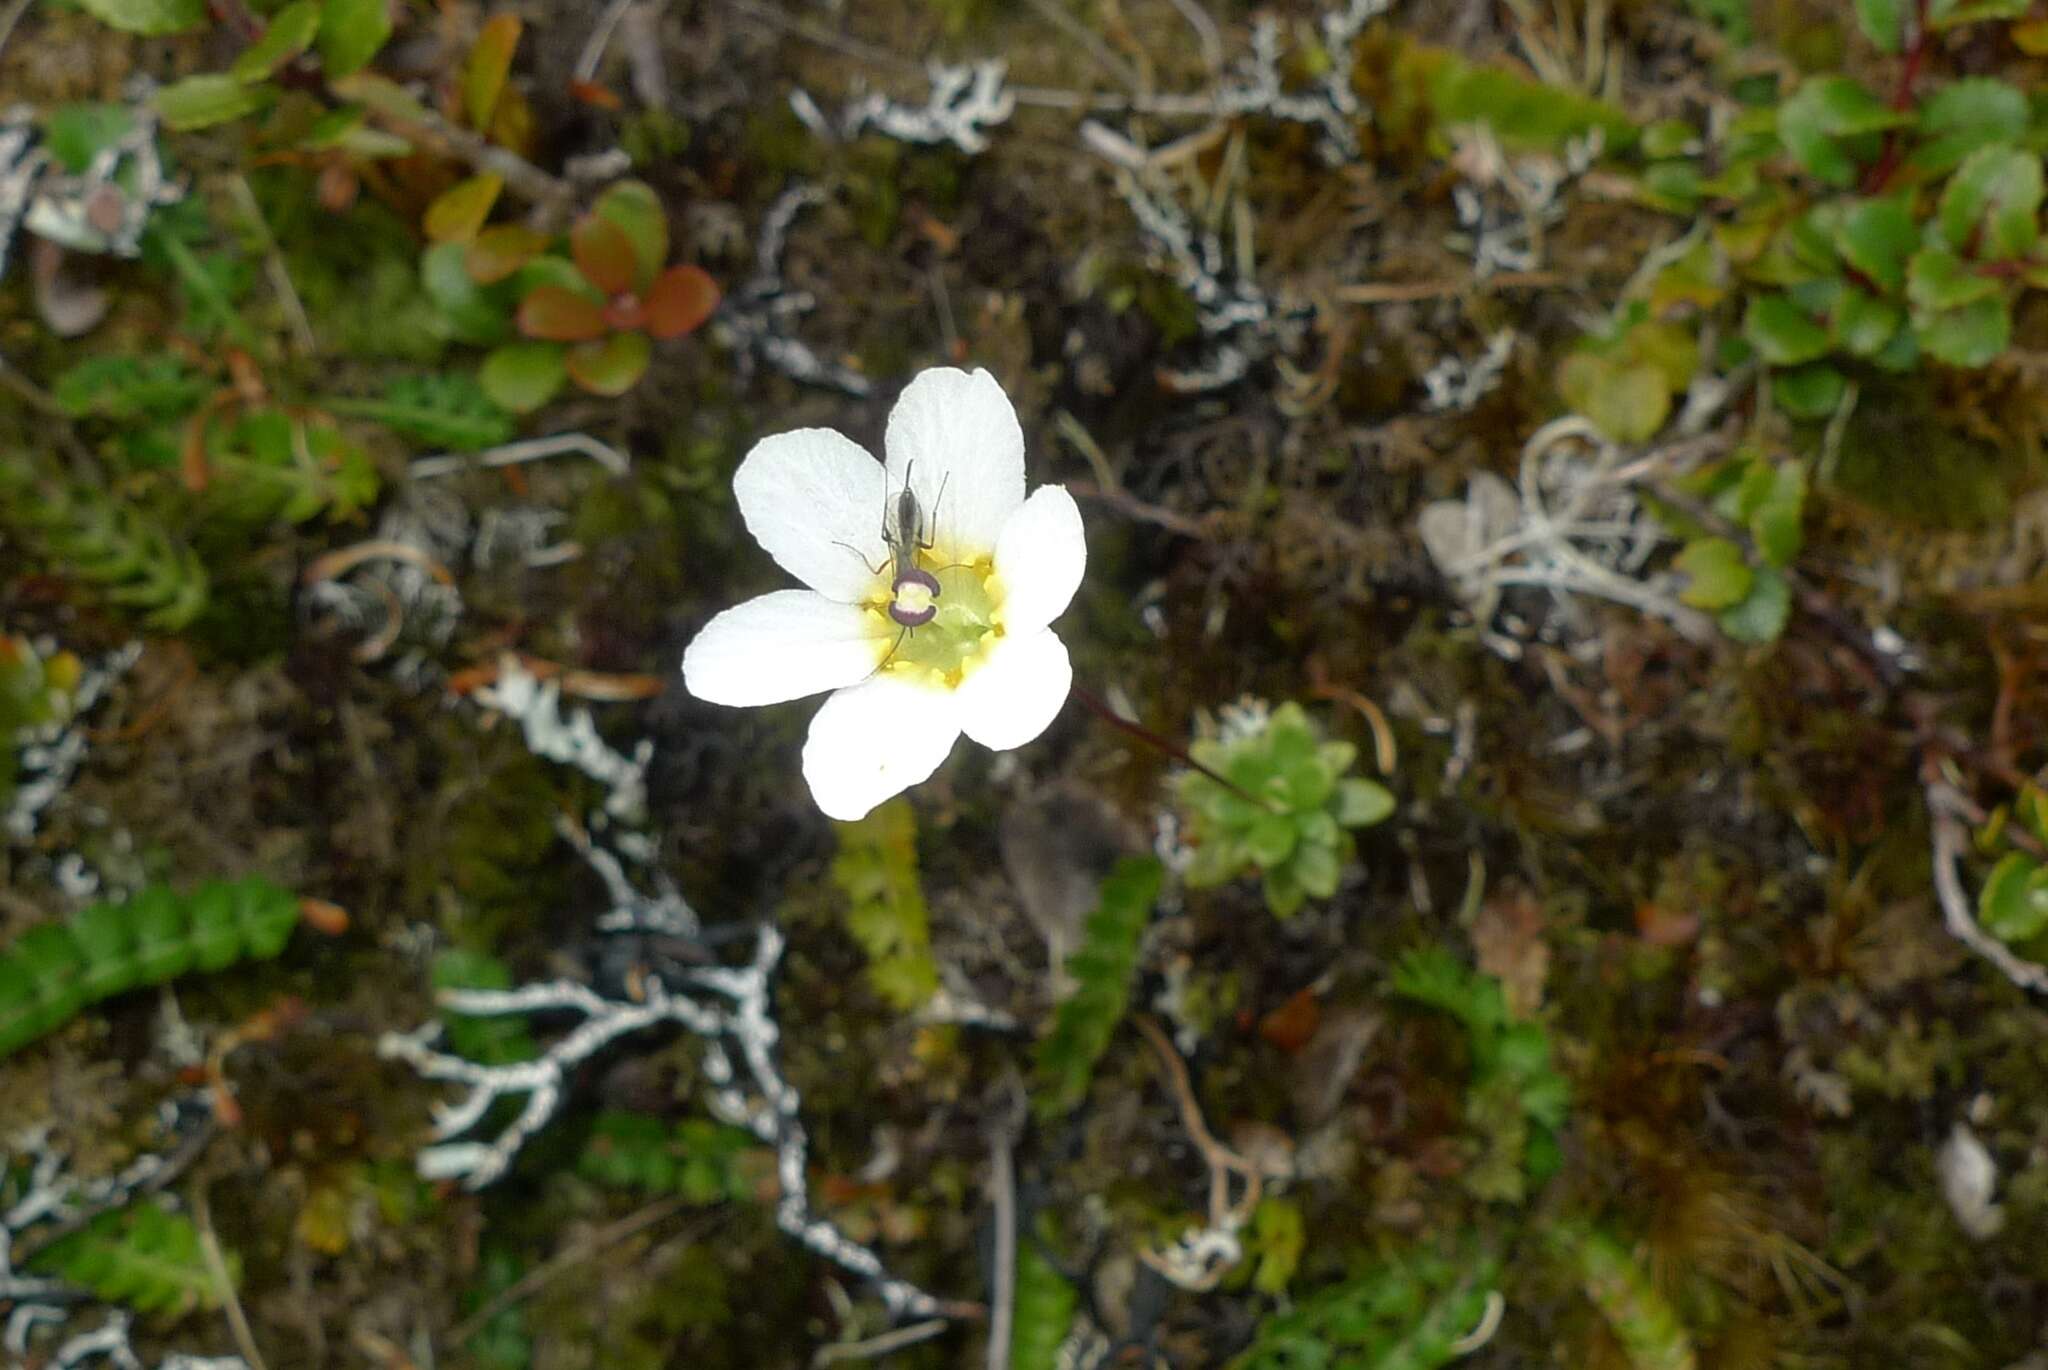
[[1887, 164], [1100, 708]]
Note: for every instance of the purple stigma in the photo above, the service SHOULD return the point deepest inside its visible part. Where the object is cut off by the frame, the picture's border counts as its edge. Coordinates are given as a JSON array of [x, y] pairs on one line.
[[908, 617]]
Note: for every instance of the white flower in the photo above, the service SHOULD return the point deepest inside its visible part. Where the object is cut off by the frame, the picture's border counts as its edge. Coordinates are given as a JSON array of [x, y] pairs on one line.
[[927, 615]]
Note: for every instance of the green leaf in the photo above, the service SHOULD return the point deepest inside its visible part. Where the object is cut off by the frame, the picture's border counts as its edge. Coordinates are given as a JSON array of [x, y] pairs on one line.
[[500, 251], [1876, 237], [1667, 348], [1772, 499], [1948, 14], [1279, 1236], [2013, 905], [1937, 278], [610, 366], [1813, 391], [1650, 1331], [1883, 22], [1271, 839], [382, 95], [145, 1256], [351, 33], [128, 389], [1042, 1311], [2032, 808], [75, 134], [1761, 614], [1628, 403], [451, 412], [1317, 867], [1827, 127], [876, 869], [1101, 968], [1971, 336], [1670, 138], [1283, 891], [457, 214], [489, 63], [289, 33], [1521, 111], [1969, 114], [1863, 323], [473, 315], [109, 948], [1362, 803], [1781, 332], [345, 128], [1716, 571], [215, 98], [150, 17], [1991, 208], [523, 376]]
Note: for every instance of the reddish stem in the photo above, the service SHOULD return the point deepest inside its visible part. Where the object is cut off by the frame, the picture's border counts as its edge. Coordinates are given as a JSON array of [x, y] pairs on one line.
[[1098, 706], [1887, 164]]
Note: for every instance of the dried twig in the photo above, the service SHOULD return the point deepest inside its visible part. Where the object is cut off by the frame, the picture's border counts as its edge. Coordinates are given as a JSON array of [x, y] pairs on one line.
[[576, 1253], [1203, 1255], [1945, 809], [223, 1281]]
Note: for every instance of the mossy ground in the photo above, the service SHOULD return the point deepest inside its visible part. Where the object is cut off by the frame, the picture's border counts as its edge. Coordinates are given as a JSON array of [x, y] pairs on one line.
[[1707, 865]]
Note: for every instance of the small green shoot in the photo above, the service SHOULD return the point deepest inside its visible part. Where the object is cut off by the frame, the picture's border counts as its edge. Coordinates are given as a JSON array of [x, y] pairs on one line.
[[1289, 817]]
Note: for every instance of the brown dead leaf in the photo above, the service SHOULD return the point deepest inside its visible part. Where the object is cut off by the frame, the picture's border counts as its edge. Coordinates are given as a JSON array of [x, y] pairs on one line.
[[1508, 938]]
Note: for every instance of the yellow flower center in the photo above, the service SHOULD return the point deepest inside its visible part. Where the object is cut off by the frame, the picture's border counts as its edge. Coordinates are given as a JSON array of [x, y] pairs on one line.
[[940, 653]]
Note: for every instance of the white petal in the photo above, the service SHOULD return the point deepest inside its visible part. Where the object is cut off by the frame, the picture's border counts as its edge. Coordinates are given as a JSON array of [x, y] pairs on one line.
[[1016, 693], [782, 646], [805, 493], [957, 438], [1040, 556], [875, 740]]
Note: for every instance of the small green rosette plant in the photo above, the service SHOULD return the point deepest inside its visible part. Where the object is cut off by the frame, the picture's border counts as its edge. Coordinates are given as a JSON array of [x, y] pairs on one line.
[[1289, 815]]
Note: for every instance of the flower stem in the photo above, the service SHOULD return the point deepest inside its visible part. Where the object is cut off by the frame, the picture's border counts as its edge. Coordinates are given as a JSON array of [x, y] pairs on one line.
[[1098, 706]]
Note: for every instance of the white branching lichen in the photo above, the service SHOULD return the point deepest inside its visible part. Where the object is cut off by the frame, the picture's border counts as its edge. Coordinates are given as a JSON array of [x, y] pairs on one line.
[[536, 705], [1570, 526], [1454, 384], [754, 319], [40, 1194], [47, 757], [101, 209], [1238, 321], [1331, 105], [965, 101], [728, 1007], [1505, 206]]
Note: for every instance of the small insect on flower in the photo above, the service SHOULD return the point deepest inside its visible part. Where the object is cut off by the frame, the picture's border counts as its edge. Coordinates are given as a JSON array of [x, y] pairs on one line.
[[934, 622]]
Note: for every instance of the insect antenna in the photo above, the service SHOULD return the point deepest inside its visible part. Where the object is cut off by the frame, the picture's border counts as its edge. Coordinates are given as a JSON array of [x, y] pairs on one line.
[[872, 568]]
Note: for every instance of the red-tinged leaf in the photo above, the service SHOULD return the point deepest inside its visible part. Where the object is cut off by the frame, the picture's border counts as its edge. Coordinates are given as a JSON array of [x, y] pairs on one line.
[[611, 366], [683, 297], [634, 207], [595, 95], [603, 253], [557, 315], [490, 62], [458, 213], [1289, 1026], [498, 252]]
